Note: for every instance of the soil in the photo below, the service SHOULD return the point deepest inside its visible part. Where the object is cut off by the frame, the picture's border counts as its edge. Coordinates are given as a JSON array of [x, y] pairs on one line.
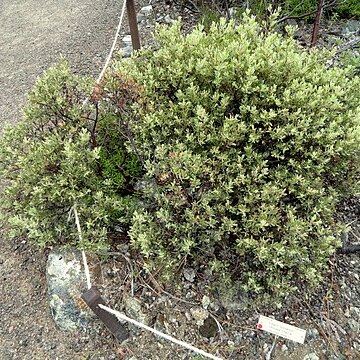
[[34, 35]]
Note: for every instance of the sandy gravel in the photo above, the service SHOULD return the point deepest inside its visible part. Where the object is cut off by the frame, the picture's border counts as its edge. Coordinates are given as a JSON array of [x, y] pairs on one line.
[[35, 33]]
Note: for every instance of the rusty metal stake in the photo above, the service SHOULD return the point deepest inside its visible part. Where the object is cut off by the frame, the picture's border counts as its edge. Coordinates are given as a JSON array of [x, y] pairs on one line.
[[315, 31], [134, 31], [93, 298]]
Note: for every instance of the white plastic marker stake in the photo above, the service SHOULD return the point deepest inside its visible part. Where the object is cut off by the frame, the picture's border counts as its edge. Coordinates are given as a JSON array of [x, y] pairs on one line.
[[86, 268], [121, 316], [281, 329]]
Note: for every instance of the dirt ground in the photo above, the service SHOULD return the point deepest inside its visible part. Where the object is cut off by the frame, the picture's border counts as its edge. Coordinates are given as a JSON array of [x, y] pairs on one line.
[[35, 33]]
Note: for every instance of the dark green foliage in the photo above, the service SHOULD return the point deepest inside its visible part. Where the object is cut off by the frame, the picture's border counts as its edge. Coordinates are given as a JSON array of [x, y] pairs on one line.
[[343, 8], [67, 151], [349, 8], [249, 141], [346, 8]]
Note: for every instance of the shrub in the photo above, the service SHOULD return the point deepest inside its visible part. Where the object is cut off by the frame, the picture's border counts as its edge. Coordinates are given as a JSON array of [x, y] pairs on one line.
[[68, 150], [248, 142]]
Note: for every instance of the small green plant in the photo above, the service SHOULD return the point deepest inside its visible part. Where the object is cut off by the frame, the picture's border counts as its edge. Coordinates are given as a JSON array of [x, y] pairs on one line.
[[248, 141], [68, 150]]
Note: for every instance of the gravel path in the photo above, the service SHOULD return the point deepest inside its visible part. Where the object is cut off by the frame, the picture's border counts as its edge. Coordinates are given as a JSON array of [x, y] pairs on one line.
[[35, 33]]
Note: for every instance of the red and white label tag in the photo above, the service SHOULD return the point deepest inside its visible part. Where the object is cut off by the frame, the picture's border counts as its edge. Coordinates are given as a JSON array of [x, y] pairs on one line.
[[281, 329]]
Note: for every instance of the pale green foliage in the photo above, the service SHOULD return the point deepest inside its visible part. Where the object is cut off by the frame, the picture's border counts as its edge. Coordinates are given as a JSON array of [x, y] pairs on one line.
[[249, 141], [49, 164]]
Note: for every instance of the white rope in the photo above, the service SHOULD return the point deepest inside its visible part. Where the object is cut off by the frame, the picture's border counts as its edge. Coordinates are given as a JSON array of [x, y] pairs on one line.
[[121, 316], [113, 45], [86, 268], [87, 273]]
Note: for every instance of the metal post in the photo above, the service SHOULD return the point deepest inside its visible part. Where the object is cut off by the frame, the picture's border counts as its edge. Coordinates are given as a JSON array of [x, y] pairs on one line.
[[134, 31], [93, 298]]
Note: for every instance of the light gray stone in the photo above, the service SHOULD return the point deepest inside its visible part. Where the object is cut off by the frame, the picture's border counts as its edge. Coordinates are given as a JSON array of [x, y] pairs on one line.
[[311, 356], [312, 333], [355, 311], [199, 314], [66, 282], [205, 302], [189, 274], [135, 310], [146, 9], [354, 326], [168, 19], [126, 51], [140, 17], [127, 39]]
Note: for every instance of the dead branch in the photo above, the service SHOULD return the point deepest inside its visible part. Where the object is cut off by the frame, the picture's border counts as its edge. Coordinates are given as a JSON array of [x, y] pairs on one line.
[[297, 17]]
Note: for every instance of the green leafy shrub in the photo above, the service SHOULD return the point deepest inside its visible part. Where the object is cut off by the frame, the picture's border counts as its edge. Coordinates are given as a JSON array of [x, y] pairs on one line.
[[68, 150], [349, 8], [248, 142]]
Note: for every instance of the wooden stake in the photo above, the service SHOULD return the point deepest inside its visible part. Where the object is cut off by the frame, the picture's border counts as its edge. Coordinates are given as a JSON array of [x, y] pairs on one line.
[[134, 31]]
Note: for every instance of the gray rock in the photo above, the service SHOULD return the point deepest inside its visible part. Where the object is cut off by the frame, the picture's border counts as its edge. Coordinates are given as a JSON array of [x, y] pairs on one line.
[[168, 19], [146, 9], [199, 314], [126, 51], [189, 274], [234, 302], [135, 310], [140, 17], [205, 302], [312, 334], [354, 326], [311, 356], [127, 39], [355, 311], [66, 282]]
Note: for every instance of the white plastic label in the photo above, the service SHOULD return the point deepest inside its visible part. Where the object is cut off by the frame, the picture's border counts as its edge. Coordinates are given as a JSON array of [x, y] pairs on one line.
[[281, 329]]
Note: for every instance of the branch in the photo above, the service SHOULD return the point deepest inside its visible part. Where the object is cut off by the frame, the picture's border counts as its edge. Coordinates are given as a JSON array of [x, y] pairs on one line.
[[292, 11], [289, 17]]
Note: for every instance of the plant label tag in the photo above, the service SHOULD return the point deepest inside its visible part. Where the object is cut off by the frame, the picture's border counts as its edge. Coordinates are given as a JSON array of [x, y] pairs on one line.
[[281, 329]]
